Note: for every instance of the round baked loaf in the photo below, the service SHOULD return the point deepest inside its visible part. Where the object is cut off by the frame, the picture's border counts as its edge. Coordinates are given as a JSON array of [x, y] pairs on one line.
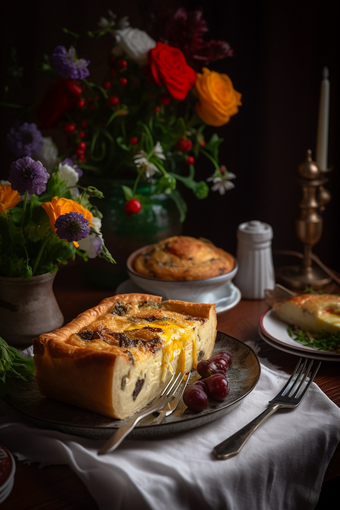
[[182, 258]]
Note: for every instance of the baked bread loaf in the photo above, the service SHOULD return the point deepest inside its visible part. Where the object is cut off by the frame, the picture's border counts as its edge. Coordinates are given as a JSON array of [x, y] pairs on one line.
[[116, 357], [182, 258], [311, 312]]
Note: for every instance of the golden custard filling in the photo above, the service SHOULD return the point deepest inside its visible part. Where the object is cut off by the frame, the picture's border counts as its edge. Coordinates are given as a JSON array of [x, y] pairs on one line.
[[149, 329]]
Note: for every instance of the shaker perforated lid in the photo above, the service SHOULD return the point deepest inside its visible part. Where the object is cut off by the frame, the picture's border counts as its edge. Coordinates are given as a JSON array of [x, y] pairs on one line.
[[256, 231]]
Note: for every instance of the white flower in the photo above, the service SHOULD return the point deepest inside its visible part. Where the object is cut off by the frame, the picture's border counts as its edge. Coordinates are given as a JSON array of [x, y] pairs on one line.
[[222, 184], [135, 43], [92, 244], [97, 224], [141, 161], [158, 151], [107, 23], [2, 182], [68, 173], [48, 154]]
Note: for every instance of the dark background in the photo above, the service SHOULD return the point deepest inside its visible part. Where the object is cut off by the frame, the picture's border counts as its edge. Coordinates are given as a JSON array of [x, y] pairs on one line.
[[280, 49]]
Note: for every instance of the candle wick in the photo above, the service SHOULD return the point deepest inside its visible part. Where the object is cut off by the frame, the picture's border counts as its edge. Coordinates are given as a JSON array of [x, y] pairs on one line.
[[325, 73]]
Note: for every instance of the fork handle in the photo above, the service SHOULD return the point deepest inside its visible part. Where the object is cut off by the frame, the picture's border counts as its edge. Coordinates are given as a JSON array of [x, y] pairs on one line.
[[234, 443], [115, 440]]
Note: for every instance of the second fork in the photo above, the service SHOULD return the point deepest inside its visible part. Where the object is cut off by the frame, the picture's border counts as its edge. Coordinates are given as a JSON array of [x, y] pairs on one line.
[[289, 396]]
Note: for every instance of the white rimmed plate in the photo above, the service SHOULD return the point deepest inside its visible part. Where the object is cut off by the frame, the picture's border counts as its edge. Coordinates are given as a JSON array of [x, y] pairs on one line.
[[225, 297], [276, 330], [295, 352], [243, 376]]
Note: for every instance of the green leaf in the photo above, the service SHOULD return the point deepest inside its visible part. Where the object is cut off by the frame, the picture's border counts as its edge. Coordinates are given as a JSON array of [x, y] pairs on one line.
[[213, 145], [122, 145], [128, 193]]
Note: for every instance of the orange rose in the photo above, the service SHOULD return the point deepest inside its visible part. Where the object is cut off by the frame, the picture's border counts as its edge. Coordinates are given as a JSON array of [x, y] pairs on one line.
[[59, 206], [218, 100], [8, 197]]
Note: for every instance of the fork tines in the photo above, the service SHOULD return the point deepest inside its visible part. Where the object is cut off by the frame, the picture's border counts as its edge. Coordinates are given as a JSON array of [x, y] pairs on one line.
[[295, 388]]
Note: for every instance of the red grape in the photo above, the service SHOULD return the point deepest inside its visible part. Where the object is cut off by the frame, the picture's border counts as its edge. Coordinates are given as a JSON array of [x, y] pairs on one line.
[[218, 386], [195, 398], [208, 367]]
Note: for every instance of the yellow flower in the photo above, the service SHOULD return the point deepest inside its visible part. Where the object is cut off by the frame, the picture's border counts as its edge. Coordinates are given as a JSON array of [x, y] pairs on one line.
[[218, 100], [59, 206], [8, 197]]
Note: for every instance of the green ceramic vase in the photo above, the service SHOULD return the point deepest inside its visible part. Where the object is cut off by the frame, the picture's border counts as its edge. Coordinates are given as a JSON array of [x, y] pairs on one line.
[[124, 234]]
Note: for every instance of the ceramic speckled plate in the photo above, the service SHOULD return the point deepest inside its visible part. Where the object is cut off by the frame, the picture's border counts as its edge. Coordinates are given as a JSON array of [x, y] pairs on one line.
[[243, 376]]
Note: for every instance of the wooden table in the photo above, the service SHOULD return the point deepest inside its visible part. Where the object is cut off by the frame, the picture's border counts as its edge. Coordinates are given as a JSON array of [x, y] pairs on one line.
[[57, 487]]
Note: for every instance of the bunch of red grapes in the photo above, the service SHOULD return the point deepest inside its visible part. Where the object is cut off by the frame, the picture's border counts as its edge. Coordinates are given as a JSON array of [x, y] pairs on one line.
[[214, 383]]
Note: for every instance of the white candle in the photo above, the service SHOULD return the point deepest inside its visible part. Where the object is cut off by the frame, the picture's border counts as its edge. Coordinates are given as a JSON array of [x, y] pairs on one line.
[[322, 134]]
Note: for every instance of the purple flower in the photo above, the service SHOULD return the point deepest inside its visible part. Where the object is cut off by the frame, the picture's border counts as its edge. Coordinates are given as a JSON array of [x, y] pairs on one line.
[[28, 175], [72, 226], [68, 65], [25, 140]]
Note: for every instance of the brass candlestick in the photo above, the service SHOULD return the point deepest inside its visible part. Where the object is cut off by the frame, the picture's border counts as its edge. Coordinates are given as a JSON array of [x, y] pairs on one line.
[[308, 227]]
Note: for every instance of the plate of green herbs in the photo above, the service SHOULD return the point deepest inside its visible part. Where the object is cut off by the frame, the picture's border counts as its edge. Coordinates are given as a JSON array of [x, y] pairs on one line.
[[292, 337]]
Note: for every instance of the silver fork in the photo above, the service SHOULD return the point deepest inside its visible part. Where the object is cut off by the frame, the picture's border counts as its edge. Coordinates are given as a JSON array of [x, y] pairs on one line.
[[289, 396], [173, 404], [164, 398]]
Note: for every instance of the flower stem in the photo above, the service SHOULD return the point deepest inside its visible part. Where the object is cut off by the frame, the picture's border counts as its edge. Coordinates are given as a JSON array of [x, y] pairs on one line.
[[213, 160], [37, 260], [24, 209], [136, 184]]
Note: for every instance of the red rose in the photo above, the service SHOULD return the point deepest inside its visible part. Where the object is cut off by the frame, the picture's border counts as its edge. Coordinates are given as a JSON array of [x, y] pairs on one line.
[[170, 69], [59, 99]]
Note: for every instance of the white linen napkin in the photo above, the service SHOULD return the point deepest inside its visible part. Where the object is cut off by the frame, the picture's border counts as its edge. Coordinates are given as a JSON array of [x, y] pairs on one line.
[[281, 466]]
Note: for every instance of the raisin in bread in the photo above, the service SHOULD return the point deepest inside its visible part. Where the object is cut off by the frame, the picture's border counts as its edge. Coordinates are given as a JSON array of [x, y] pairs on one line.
[[116, 357]]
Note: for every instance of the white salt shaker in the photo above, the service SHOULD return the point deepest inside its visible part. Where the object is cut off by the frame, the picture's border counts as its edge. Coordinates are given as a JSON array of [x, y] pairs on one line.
[[255, 261]]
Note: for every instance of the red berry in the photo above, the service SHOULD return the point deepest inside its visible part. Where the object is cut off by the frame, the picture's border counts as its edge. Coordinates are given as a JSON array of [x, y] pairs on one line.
[[164, 100], [106, 85], [92, 106], [73, 89], [82, 146], [113, 101], [123, 113], [81, 134], [207, 367], [157, 109], [84, 123], [133, 206], [81, 103], [69, 127], [79, 152], [202, 143], [134, 140], [122, 64], [113, 73], [218, 386], [195, 398], [82, 158], [190, 160], [89, 99], [122, 82], [183, 144]]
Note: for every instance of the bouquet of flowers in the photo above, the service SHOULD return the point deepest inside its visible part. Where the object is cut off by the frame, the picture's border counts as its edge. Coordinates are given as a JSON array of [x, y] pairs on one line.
[[145, 119], [45, 220]]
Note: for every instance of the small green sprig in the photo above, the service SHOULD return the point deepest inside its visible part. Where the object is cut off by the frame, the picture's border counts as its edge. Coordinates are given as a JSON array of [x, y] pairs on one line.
[[323, 341], [13, 364]]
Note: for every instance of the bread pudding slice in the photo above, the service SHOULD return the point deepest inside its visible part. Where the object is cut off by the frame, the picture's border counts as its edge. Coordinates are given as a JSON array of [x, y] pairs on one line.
[[116, 357], [311, 312]]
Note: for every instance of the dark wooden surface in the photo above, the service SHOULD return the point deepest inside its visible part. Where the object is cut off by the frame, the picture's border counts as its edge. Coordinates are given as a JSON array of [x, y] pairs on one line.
[[57, 487]]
